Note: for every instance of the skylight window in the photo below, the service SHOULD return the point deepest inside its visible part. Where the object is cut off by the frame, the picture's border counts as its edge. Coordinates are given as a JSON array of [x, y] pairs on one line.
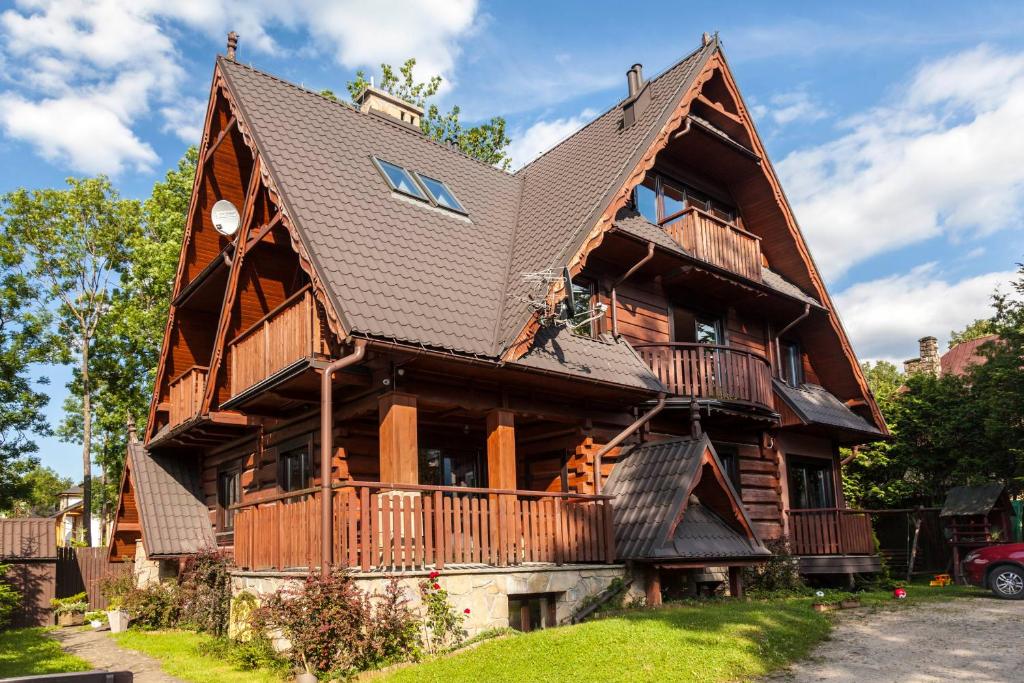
[[399, 179], [440, 193]]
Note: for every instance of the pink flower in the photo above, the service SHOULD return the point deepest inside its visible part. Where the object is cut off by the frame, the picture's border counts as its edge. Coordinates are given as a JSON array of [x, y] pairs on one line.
[[466, 611], [437, 586], [434, 575]]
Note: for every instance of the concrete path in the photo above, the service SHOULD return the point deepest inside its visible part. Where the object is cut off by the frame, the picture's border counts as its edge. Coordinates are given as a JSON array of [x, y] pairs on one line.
[[98, 648], [979, 639]]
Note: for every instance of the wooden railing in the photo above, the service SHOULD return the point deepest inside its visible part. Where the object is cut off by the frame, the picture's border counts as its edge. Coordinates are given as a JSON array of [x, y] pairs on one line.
[[388, 527], [711, 371], [186, 392], [830, 531], [717, 242], [288, 333]]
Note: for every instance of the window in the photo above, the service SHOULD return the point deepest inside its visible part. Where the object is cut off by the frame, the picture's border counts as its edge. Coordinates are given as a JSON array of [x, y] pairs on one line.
[[451, 466], [729, 456], [440, 193], [532, 612], [582, 304], [660, 200], [790, 363], [810, 483], [708, 330], [228, 494], [399, 179], [294, 472]]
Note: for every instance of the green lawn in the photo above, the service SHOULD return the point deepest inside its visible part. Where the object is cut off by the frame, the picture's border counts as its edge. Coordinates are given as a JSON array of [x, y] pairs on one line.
[[191, 657], [27, 652], [721, 641]]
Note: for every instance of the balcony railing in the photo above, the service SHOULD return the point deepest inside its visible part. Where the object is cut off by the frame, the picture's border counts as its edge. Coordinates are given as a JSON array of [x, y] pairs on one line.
[[186, 392], [392, 527], [830, 531], [288, 333], [717, 242], [711, 371]]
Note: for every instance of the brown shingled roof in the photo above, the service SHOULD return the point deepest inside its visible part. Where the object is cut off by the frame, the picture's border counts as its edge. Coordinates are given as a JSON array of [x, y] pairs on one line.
[[168, 491], [402, 270], [958, 359]]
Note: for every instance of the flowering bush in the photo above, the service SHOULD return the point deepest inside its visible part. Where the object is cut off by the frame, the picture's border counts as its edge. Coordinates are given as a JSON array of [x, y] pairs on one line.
[[204, 593], [442, 625], [336, 628]]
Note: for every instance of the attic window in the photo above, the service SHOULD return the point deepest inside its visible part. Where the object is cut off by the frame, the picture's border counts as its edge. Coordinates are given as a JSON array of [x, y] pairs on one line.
[[399, 179], [440, 193]]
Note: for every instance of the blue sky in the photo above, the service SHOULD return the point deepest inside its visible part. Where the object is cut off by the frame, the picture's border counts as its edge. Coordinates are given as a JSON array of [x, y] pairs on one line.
[[895, 126]]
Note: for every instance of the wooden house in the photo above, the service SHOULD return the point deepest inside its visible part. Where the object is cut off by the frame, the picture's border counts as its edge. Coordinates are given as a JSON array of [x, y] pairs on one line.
[[374, 361]]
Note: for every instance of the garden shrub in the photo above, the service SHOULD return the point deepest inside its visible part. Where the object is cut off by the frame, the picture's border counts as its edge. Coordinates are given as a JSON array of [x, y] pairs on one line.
[[9, 598], [73, 604], [442, 625], [152, 607], [204, 593], [779, 575], [334, 627]]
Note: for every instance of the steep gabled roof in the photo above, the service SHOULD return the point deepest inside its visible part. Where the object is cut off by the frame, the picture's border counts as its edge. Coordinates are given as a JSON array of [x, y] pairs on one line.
[[169, 495], [396, 268], [958, 359], [658, 516], [566, 189]]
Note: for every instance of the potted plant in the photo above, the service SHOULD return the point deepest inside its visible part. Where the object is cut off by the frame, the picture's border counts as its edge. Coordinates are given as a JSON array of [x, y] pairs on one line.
[[71, 610], [117, 617], [97, 619]]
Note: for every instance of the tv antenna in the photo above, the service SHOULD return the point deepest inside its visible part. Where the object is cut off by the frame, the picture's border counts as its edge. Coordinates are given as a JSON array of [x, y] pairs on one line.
[[557, 305]]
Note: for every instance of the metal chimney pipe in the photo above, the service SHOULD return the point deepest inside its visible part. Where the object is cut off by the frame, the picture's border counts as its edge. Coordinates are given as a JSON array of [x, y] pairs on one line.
[[634, 79]]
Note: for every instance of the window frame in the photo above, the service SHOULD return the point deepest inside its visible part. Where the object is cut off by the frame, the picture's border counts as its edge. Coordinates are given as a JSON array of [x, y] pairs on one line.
[[225, 515], [285, 450], [421, 178], [423, 196], [590, 285], [807, 462], [790, 352], [711, 200]]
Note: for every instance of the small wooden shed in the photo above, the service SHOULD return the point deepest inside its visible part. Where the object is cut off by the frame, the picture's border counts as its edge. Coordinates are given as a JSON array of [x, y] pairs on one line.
[[975, 516], [29, 546]]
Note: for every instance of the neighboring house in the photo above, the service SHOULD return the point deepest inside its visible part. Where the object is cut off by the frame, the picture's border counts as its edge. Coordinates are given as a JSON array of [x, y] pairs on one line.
[[693, 414], [956, 361], [70, 524]]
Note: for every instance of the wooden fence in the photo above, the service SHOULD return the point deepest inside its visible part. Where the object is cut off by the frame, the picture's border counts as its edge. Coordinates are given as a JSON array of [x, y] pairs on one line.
[[83, 570], [390, 529]]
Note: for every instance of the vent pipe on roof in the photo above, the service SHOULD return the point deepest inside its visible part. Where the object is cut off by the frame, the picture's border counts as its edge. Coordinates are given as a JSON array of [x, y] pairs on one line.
[[635, 79], [232, 45], [705, 39]]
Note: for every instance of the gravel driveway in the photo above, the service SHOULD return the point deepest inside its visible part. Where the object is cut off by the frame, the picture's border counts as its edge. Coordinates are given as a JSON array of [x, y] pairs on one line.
[[978, 639]]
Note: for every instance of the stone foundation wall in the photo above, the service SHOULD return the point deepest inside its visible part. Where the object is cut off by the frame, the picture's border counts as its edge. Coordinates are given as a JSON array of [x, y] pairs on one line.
[[147, 572], [483, 591]]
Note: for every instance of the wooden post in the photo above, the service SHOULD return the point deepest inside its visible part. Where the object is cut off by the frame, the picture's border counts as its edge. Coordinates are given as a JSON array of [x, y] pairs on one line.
[[501, 449], [736, 582], [399, 449], [653, 587]]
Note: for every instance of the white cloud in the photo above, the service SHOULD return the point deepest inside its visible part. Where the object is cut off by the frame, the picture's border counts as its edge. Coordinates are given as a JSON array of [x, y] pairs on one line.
[[942, 159], [113, 63], [886, 317], [529, 143], [789, 107]]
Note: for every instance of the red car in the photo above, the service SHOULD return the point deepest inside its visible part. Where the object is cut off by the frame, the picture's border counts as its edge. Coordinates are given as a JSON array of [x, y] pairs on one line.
[[999, 568]]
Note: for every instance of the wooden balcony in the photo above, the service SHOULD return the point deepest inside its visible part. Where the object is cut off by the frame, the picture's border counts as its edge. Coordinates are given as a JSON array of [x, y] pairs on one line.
[[830, 531], [289, 333], [710, 371], [391, 527], [717, 242], [186, 393]]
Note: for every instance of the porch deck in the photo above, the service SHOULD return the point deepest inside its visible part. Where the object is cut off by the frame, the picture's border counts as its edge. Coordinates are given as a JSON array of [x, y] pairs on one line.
[[833, 541], [389, 527]]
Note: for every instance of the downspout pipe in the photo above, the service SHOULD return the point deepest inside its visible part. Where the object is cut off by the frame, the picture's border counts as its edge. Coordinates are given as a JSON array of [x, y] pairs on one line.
[[787, 328], [622, 436], [326, 448], [615, 301]]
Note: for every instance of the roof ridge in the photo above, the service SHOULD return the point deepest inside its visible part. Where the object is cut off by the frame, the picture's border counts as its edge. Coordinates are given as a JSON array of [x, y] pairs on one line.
[[395, 125], [607, 111]]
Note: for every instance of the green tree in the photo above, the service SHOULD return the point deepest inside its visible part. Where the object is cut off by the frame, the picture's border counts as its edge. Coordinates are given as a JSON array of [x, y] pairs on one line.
[[979, 328], [75, 245], [44, 485], [21, 343], [127, 344], [487, 142]]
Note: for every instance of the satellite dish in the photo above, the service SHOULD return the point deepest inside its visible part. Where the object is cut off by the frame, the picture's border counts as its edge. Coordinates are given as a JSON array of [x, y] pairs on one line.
[[225, 217]]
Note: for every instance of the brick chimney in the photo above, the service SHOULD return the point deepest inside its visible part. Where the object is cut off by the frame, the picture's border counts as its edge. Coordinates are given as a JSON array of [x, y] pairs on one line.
[[375, 99], [928, 361]]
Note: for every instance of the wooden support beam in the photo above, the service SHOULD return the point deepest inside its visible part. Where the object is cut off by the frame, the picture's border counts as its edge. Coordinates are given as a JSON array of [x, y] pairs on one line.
[[501, 449], [399, 447], [220, 138], [263, 231], [653, 587], [736, 582]]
